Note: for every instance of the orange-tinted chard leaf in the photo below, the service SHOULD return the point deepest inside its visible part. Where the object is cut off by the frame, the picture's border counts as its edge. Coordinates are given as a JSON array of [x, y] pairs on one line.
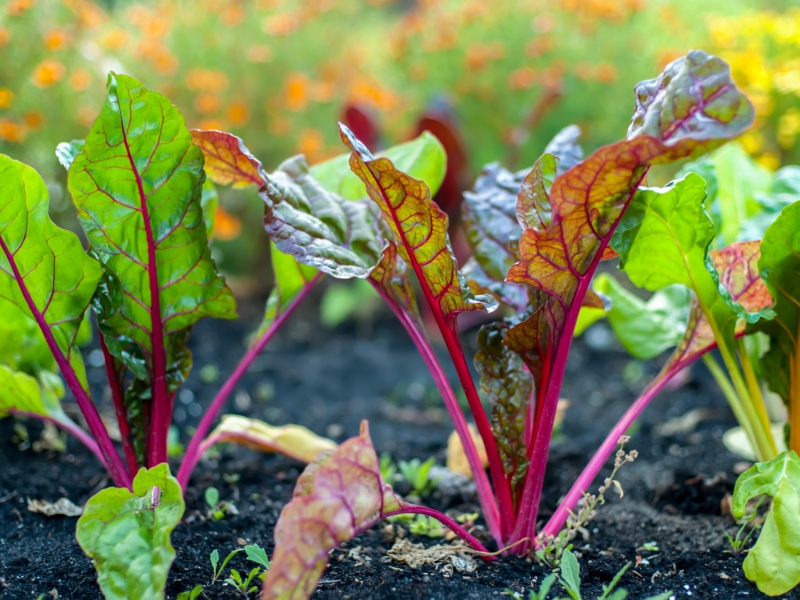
[[339, 495], [228, 161], [693, 107], [317, 227], [392, 276], [421, 228]]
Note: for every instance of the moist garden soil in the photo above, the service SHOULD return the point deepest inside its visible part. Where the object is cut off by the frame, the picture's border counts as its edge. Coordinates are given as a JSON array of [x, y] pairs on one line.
[[328, 381]]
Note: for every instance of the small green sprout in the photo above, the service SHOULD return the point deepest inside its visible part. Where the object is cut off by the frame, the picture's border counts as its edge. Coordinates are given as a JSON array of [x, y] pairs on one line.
[[215, 561], [651, 547], [217, 510], [418, 476], [258, 555], [242, 585], [193, 594], [388, 468]]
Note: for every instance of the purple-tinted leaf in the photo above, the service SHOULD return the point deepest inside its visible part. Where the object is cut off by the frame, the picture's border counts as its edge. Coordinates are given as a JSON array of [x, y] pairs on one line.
[[319, 228]]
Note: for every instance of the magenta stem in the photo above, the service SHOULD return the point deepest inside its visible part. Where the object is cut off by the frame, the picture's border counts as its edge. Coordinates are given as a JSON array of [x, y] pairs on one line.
[[67, 426], [484, 489], [119, 406], [195, 449], [160, 415], [447, 522], [111, 459]]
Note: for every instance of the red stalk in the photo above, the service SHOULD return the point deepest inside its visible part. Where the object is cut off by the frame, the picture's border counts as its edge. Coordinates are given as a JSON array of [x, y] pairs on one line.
[[69, 427], [111, 459], [161, 416], [119, 407], [484, 489], [447, 522], [196, 446]]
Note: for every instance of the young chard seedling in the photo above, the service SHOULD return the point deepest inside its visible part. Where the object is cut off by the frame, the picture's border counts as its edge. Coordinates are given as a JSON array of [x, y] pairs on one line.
[[215, 562], [418, 475]]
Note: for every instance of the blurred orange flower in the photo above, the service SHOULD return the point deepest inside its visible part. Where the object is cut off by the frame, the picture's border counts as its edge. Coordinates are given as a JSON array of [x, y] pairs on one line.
[[281, 24], [259, 54], [56, 39], [114, 39], [47, 73], [479, 55], [165, 63], [211, 124], [606, 72], [33, 119], [296, 92], [10, 131], [5, 36], [87, 115], [311, 144], [6, 97], [522, 79], [206, 103], [80, 80], [15, 8], [280, 126], [233, 15], [206, 80], [238, 115], [226, 225], [91, 16]]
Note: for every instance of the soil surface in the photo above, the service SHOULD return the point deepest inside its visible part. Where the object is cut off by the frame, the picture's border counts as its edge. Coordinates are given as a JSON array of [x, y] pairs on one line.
[[329, 381]]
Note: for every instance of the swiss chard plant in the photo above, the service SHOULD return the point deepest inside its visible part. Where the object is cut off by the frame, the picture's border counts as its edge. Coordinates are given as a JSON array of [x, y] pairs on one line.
[[537, 241]]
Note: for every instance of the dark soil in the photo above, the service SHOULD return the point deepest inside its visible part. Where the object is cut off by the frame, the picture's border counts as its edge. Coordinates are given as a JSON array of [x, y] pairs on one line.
[[329, 381]]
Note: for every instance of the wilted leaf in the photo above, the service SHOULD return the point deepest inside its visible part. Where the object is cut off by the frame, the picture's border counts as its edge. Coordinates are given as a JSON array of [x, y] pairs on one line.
[[338, 496], [420, 227], [507, 385], [227, 159], [423, 158], [565, 147], [294, 441], [62, 507], [127, 535], [457, 460], [774, 561], [318, 227]]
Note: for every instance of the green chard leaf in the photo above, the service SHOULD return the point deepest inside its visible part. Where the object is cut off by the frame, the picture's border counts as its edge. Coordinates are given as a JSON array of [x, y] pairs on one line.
[[137, 186], [67, 151], [127, 535], [507, 385], [645, 328], [44, 271], [422, 158], [774, 561], [780, 269]]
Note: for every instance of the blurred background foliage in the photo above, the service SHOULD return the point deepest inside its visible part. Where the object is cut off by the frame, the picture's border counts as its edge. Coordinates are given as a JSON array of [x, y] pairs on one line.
[[507, 74]]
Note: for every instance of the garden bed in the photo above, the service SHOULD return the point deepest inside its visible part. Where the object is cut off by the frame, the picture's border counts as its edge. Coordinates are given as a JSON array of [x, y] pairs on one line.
[[329, 381]]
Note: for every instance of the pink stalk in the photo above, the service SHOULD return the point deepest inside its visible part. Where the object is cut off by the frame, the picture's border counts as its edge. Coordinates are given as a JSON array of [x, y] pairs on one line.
[[447, 522], [484, 489], [111, 459], [119, 407], [67, 426], [584, 481], [196, 447]]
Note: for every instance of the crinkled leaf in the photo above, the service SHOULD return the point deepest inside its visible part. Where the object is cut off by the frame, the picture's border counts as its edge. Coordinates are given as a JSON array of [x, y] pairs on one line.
[[338, 496], [227, 159], [420, 227], [774, 561], [393, 277], [291, 440], [317, 227], [127, 535], [422, 158], [785, 190], [137, 186], [44, 270], [645, 328], [507, 385], [780, 268], [67, 151], [490, 223], [691, 108]]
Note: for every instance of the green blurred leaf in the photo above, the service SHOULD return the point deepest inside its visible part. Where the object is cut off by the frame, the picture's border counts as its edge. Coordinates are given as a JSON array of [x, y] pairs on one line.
[[645, 328], [127, 535], [209, 202], [342, 301], [422, 158], [774, 561]]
